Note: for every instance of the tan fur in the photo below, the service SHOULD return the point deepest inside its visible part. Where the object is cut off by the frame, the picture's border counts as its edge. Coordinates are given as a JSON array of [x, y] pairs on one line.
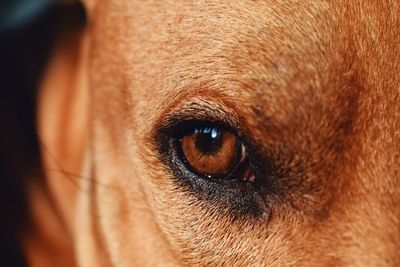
[[315, 83]]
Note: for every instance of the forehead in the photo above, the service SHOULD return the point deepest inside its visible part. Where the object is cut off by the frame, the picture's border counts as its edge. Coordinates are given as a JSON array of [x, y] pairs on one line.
[[250, 52]]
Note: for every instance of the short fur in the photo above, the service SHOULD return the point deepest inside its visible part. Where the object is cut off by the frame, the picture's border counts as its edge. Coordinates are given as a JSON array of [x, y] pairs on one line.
[[315, 83]]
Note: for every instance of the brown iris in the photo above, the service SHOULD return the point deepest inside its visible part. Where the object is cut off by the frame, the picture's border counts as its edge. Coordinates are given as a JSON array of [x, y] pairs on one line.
[[211, 151]]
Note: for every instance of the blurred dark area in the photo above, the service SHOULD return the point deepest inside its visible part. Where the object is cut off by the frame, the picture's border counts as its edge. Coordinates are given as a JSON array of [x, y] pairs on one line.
[[27, 38]]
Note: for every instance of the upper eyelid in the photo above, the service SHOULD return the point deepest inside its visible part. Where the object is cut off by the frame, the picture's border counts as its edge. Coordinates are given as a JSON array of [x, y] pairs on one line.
[[200, 110]]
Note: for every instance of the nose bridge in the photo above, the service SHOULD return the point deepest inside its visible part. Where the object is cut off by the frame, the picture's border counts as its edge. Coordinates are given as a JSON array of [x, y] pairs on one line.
[[373, 234], [374, 230]]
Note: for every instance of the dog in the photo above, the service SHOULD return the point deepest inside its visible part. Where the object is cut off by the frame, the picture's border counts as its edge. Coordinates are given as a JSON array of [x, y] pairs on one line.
[[221, 133]]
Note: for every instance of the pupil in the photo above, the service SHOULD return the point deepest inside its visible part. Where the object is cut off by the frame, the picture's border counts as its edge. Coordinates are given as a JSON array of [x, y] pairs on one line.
[[208, 139]]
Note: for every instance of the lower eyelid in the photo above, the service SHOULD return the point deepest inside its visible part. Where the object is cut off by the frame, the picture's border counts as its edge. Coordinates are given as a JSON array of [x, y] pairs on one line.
[[237, 201]]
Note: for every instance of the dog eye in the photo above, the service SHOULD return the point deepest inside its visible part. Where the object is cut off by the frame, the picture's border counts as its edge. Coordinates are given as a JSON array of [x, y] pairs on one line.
[[216, 163], [211, 151], [214, 152]]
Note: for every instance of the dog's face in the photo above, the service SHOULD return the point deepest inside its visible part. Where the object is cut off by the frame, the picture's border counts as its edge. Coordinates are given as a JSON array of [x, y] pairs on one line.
[[258, 133]]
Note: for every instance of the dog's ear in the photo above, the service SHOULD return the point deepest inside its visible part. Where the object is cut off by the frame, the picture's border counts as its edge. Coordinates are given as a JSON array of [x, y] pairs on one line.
[[63, 118], [89, 5], [63, 132], [63, 105]]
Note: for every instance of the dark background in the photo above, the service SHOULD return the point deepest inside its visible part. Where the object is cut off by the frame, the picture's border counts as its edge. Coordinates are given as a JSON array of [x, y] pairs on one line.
[[27, 35]]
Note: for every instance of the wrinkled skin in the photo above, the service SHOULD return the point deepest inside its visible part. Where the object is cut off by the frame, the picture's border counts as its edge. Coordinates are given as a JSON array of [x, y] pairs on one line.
[[315, 84]]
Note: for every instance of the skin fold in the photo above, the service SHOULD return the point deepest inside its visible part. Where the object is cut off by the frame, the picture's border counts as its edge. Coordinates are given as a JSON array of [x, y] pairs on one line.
[[314, 85]]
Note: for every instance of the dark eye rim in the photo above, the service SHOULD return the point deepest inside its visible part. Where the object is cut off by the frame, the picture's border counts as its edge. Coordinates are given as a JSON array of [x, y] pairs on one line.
[[171, 154], [239, 198]]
